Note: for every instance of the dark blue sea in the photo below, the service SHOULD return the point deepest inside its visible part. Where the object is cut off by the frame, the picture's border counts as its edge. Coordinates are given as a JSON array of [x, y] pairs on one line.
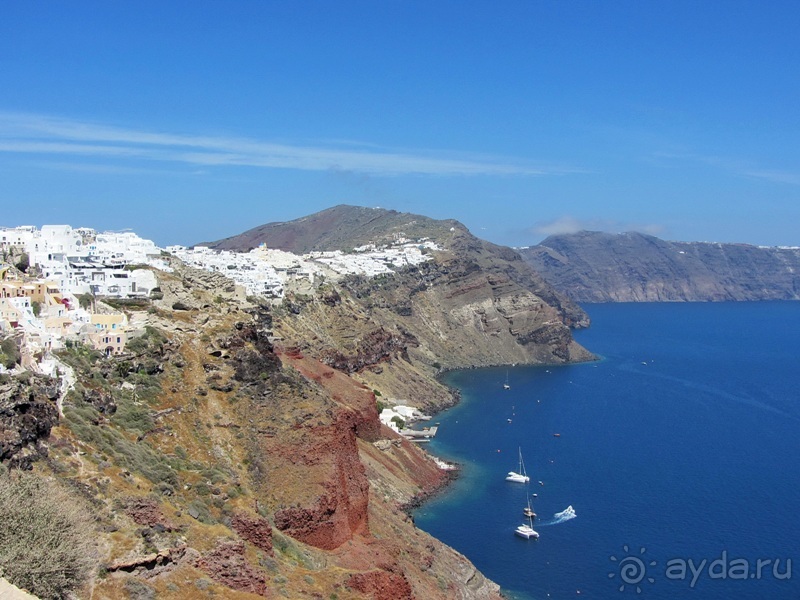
[[679, 451]]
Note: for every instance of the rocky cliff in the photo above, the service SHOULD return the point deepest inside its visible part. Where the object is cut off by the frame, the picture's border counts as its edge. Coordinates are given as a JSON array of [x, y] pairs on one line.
[[634, 267], [395, 333], [236, 449]]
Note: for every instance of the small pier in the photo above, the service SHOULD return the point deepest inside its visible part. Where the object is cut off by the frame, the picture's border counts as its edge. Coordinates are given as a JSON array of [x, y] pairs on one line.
[[420, 435]]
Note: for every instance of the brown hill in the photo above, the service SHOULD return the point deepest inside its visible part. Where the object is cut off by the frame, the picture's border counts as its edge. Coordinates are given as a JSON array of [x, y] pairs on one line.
[[338, 228]]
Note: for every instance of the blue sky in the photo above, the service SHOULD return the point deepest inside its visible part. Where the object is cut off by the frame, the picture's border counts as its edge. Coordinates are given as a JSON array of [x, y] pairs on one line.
[[193, 121]]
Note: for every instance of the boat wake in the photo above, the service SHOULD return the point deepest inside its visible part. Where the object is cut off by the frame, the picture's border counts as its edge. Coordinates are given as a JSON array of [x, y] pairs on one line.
[[560, 517]]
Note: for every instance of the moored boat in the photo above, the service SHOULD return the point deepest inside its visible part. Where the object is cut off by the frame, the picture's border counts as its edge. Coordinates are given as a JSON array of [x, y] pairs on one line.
[[526, 531], [521, 476]]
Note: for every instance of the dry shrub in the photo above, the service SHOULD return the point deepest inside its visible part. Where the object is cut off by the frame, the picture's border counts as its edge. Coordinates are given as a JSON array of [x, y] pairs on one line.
[[46, 536]]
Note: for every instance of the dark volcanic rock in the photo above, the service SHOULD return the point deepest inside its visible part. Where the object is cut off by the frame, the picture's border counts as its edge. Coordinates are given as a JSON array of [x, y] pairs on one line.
[[375, 347], [634, 267], [103, 401], [27, 413]]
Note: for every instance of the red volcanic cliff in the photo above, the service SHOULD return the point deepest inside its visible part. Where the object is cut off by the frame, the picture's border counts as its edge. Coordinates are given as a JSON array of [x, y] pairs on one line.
[[339, 512]]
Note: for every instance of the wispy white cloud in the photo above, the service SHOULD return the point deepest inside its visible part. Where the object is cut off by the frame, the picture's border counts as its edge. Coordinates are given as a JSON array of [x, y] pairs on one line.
[[775, 176], [40, 134], [569, 224], [739, 167], [79, 167]]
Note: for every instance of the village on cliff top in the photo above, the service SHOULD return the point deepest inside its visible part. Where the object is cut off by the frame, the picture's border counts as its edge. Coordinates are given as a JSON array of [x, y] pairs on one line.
[[54, 280]]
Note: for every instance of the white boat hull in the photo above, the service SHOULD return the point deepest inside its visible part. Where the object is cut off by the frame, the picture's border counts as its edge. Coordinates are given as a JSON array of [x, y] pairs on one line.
[[526, 532]]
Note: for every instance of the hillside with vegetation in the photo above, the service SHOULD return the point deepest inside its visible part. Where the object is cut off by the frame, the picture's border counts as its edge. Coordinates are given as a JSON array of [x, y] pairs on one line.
[[234, 449]]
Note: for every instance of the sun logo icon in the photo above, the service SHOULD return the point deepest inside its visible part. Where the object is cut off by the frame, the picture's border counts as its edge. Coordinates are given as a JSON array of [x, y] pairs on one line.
[[632, 569]]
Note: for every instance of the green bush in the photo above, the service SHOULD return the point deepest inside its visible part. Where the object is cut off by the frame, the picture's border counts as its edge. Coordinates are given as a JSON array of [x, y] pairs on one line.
[[151, 341], [199, 510], [80, 356], [9, 353], [46, 537], [128, 303], [85, 301], [133, 418]]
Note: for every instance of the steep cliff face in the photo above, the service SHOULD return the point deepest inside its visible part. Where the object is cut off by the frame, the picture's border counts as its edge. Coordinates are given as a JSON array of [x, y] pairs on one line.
[[395, 333], [319, 459], [633, 267]]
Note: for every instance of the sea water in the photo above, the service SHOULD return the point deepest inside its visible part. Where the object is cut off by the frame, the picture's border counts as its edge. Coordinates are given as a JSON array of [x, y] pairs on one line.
[[679, 451]]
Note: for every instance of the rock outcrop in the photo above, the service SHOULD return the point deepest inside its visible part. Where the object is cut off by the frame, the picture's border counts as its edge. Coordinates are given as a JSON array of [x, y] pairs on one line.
[[227, 564], [634, 267], [27, 414]]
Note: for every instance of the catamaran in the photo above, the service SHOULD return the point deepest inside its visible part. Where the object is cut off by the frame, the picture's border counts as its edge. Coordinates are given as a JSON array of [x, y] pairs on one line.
[[526, 530], [521, 476]]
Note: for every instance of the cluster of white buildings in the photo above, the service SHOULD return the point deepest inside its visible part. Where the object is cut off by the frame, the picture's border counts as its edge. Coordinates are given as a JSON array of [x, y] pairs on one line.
[[267, 272], [371, 260], [262, 272], [44, 313], [83, 261], [42, 318], [390, 416]]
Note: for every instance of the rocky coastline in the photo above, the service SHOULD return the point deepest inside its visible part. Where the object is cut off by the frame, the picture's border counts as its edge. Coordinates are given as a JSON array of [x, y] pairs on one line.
[[239, 451]]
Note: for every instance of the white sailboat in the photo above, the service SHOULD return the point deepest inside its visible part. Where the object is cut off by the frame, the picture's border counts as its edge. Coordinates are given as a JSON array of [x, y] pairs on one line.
[[505, 385], [528, 511], [521, 476]]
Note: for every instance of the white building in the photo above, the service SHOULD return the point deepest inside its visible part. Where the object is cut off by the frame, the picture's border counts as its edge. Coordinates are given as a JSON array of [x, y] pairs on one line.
[[268, 272], [83, 261]]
